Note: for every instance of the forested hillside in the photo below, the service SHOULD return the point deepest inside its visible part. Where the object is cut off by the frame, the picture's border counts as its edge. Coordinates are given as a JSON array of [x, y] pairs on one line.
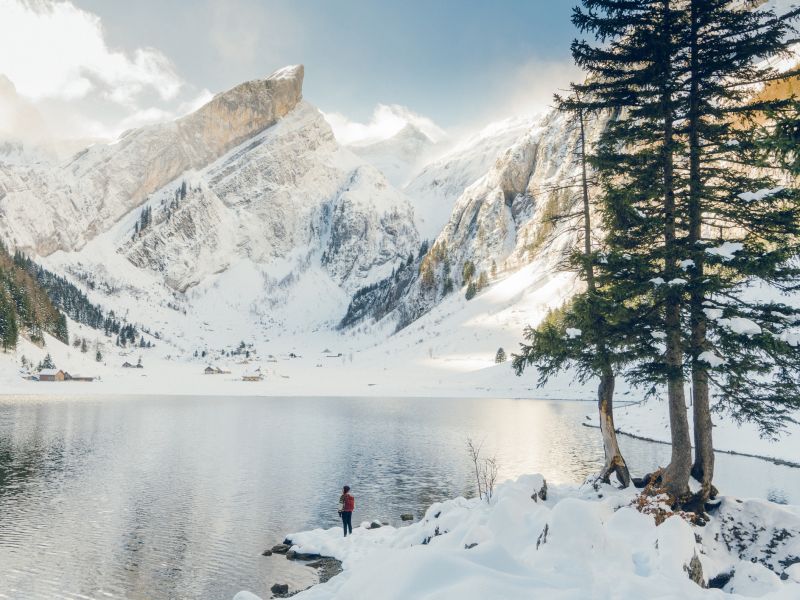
[[71, 300], [25, 307]]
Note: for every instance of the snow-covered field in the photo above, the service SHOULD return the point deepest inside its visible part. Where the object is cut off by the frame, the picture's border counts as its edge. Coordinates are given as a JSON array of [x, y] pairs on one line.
[[578, 543]]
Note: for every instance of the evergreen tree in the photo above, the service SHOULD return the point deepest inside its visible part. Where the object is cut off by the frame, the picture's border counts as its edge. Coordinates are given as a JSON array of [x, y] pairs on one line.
[[47, 363], [84, 346], [737, 235], [500, 357], [585, 334], [472, 289], [98, 356], [8, 323], [447, 288], [467, 271], [632, 71]]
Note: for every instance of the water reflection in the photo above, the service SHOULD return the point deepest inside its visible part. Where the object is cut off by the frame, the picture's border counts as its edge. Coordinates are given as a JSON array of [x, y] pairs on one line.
[[176, 497]]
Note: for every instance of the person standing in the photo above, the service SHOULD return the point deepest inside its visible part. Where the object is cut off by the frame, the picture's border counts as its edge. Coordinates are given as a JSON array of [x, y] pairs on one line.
[[346, 506]]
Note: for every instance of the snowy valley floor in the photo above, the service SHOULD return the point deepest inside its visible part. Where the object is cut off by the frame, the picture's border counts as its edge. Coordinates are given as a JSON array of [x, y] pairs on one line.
[[578, 543]]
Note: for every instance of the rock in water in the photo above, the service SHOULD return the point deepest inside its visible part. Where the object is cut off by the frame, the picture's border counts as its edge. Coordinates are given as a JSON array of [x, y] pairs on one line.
[[406, 517], [281, 548], [280, 588], [294, 555]]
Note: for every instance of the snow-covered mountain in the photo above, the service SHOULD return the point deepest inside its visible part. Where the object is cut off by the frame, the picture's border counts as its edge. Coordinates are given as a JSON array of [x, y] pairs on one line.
[[249, 203], [517, 176], [247, 218], [398, 156], [435, 188], [44, 209]]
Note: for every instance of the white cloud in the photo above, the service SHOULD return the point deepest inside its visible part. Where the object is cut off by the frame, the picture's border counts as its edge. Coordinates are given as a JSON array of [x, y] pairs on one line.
[[528, 89], [55, 50], [61, 79], [385, 122]]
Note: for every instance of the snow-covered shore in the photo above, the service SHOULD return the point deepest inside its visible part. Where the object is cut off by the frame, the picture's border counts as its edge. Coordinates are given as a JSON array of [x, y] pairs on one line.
[[448, 352], [360, 374], [578, 543]]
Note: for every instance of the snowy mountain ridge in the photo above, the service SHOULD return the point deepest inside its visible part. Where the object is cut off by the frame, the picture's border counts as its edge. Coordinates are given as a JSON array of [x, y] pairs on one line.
[[269, 230], [44, 209]]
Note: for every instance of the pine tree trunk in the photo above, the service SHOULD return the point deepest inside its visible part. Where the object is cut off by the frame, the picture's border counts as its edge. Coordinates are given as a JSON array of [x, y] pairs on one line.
[[605, 391], [676, 476], [703, 467], [605, 404]]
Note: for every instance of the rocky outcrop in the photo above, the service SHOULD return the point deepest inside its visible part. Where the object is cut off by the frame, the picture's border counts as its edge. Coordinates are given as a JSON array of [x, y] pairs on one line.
[[501, 222], [290, 196]]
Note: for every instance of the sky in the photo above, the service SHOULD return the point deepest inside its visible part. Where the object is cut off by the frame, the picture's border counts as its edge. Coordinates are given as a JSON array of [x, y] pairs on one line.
[[92, 68]]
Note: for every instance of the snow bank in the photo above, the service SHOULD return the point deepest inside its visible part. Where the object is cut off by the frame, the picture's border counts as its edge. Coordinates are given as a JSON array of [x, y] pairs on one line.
[[578, 543]]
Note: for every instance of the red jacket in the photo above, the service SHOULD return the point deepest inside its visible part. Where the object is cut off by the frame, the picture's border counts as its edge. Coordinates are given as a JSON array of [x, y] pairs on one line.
[[348, 503]]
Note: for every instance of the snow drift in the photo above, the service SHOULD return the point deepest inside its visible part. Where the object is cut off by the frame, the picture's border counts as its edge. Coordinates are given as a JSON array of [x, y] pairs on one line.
[[577, 543]]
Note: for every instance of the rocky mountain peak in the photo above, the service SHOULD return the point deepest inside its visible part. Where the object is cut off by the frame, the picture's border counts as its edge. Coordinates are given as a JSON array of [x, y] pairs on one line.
[[104, 182]]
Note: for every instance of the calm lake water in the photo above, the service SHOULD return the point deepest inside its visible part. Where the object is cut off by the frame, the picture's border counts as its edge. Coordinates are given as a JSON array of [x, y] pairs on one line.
[[151, 498]]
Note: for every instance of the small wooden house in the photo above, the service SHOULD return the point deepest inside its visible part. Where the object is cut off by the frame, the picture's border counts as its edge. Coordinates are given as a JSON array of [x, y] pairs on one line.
[[52, 375], [253, 376]]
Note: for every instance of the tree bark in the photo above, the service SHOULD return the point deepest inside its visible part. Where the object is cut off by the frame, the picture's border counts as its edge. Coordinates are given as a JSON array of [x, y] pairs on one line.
[[605, 403], [703, 467], [675, 477], [615, 463]]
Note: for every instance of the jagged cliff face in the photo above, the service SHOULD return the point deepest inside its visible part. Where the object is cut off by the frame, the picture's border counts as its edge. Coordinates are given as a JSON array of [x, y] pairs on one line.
[[436, 187], [289, 195], [44, 209], [500, 222], [504, 219]]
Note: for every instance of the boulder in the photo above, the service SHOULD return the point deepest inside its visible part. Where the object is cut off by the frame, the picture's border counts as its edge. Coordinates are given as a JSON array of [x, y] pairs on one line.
[[280, 588], [294, 555], [374, 525], [281, 548], [406, 517]]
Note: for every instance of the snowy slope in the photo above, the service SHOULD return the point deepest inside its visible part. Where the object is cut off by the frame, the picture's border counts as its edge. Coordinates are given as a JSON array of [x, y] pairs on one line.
[[503, 221], [398, 156], [436, 187]]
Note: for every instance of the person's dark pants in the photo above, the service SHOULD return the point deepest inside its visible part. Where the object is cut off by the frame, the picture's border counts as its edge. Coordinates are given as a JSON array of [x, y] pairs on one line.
[[347, 522]]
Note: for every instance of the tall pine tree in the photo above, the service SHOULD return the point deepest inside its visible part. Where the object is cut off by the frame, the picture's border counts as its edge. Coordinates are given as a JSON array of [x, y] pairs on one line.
[[632, 69], [742, 226], [584, 335]]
